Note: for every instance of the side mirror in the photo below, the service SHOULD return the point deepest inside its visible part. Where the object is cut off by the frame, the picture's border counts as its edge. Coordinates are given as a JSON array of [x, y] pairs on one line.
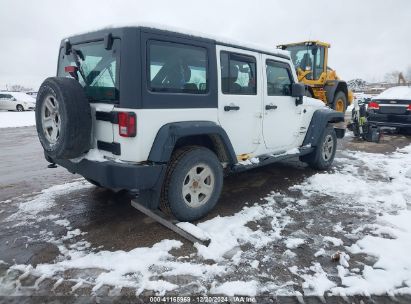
[[298, 91], [13, 99]]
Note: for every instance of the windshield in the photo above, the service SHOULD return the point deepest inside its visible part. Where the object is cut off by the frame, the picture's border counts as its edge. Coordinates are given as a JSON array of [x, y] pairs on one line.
[[308, 58], [97, 69]]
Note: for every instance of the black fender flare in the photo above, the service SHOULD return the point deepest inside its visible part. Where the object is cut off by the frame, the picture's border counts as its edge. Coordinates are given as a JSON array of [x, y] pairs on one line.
[[334, 86], [319, 121], [170, 133]]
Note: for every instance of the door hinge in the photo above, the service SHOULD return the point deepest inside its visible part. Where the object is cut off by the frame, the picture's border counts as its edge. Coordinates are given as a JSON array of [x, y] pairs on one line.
[[259, 115]]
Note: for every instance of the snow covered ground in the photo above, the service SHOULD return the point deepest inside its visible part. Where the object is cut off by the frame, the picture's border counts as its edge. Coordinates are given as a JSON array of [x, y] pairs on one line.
[[280, 245], [17, 119]]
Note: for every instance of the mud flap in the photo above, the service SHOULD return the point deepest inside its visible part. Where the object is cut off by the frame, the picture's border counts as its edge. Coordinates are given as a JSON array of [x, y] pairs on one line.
[[162, 219]]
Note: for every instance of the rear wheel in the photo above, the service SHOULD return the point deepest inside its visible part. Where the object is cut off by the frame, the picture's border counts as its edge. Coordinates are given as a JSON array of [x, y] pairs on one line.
[[19, 108], [340, 102], [404, 131], [323, 155], [193, 183]]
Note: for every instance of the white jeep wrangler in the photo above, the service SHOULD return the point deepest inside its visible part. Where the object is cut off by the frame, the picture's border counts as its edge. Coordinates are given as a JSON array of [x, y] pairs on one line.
[[167, 115]]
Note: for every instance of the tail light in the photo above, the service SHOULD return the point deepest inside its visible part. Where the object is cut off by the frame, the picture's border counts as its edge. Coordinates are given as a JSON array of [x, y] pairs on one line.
[[72, 70], [127, 124], [373, 105], [409, 107]]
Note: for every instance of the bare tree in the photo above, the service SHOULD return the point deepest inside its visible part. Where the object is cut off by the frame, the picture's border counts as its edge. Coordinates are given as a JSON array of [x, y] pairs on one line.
[[407, 74], [392, 77], [19, 88]]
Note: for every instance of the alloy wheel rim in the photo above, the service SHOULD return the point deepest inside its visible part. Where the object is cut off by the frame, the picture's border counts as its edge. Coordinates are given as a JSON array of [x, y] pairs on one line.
[[328, 148], [198, 185], [51, 119]]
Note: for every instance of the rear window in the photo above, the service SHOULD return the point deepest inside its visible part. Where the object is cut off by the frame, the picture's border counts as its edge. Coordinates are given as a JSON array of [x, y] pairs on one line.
[[97, 69]]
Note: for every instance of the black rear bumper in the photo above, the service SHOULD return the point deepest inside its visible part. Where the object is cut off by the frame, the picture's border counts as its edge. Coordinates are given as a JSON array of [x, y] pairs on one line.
[[390, 120], [115, 175]]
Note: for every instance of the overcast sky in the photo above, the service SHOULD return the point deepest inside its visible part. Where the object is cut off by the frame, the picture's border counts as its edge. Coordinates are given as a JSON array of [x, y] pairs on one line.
[[368, 37]]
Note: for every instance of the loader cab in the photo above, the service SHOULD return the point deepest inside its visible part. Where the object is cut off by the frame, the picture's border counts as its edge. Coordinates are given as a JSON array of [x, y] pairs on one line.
[[310, 60]]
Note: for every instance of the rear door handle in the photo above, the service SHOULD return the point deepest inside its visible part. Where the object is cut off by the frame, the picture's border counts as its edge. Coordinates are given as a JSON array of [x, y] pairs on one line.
[[231, 108], [270, 107]]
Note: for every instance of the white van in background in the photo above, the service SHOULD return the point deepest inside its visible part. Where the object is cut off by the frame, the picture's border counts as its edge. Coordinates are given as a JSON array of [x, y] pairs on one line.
[[16, 101]]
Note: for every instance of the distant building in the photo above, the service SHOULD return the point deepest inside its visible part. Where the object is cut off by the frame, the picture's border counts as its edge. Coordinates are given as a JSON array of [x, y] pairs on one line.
[[377, 88], [360, 86]]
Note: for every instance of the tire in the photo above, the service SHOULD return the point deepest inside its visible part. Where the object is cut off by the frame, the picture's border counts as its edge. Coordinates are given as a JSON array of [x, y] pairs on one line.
[[189, 203], [319, 160], [19, 108], [404, 131], [340, 102], [63, 118]]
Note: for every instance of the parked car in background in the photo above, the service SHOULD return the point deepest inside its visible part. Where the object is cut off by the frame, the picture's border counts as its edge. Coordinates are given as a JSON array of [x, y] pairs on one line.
[[392, 108], [16, 101], [32, 94], [363, 98]]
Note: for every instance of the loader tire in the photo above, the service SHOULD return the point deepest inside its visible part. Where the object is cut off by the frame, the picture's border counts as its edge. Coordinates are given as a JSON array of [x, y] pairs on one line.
[[340, 102]]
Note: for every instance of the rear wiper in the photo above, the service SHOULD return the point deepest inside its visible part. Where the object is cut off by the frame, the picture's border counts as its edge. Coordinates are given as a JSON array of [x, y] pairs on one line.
[[77, 55]]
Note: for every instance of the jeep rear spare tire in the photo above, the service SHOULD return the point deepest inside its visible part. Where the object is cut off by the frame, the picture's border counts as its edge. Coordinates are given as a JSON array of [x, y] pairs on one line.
[[63, 118]]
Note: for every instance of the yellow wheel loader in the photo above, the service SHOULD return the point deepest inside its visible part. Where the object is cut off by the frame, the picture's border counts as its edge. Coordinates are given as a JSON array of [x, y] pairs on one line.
[[310, 59]]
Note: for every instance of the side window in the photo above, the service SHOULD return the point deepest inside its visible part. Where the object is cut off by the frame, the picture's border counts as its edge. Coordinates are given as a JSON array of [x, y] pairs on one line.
[[6, 96], [177, 68], [238, 74], [278, 79]]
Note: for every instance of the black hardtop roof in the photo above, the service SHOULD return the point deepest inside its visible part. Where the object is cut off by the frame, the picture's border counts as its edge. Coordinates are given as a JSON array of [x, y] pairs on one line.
[[119, 32]]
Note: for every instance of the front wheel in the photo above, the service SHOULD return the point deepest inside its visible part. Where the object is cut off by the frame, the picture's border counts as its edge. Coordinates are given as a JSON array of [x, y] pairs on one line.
[[19, 108], [193, 183], [323, 155]]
